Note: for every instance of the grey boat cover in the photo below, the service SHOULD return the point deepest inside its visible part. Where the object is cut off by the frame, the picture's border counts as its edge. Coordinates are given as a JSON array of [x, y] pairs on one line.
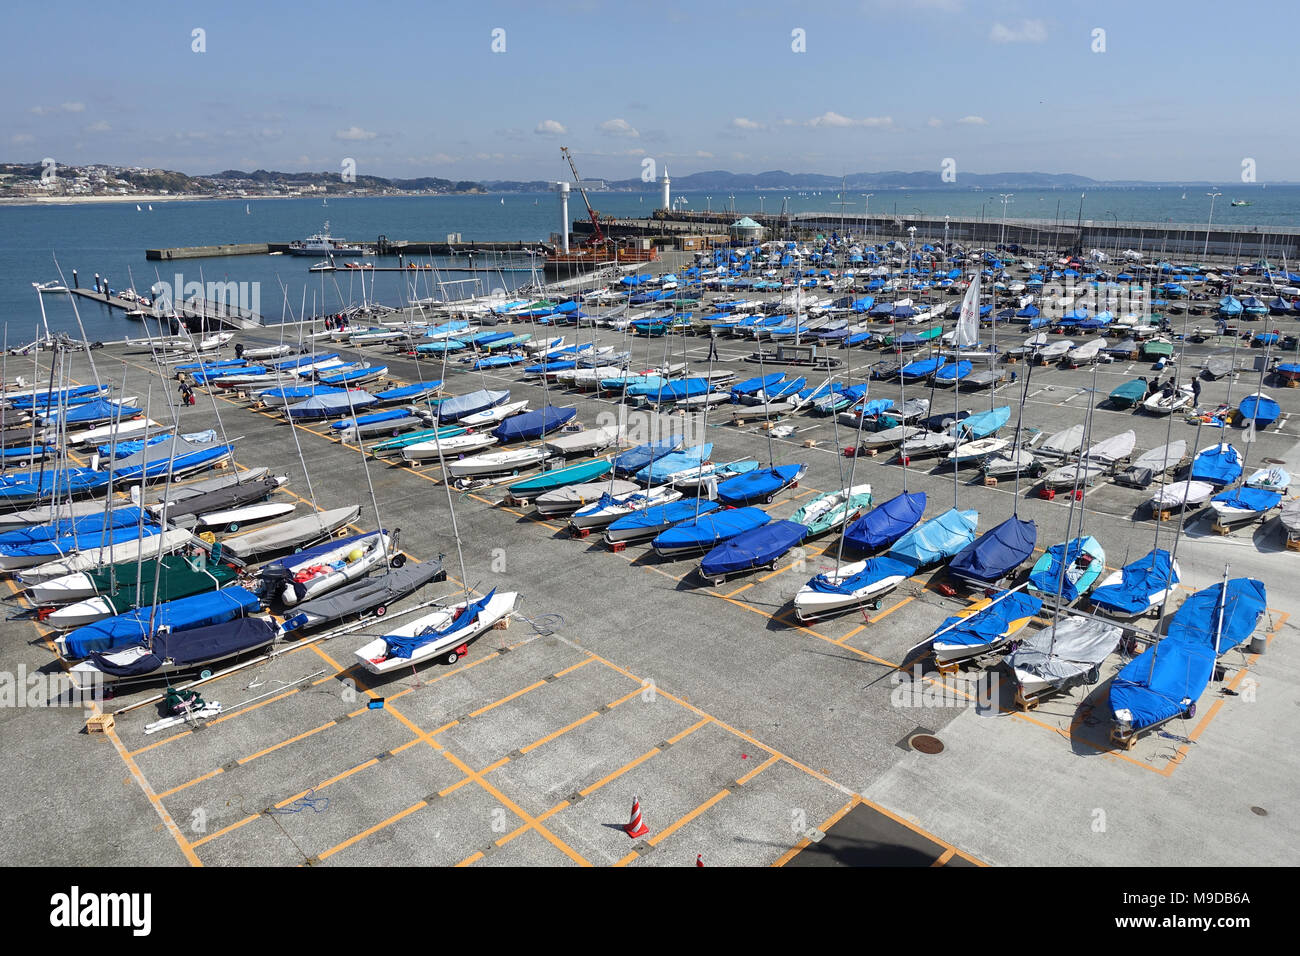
[[928, 444], [1008, 463], [1113, 449], [378, 590], [573, 497], [911, 409], [1291, 516], [190, 489], [1217, 366], [1066, 652], [890, 436], [1085, 473], [184, 513], [286, 534], [1063, 443], [980, 379], [44, 515], [1162, 458]]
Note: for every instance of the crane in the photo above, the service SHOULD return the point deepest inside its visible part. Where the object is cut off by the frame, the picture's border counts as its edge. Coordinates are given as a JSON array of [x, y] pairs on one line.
[[598, 237]]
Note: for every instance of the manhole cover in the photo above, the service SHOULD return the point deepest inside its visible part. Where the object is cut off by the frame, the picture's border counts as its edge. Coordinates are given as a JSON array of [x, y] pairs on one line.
[[1259, 811], [1274, 461], [926, 744]]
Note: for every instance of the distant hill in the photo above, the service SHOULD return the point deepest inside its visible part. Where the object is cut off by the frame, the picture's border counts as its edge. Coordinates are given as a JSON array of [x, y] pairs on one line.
[[276, 177]]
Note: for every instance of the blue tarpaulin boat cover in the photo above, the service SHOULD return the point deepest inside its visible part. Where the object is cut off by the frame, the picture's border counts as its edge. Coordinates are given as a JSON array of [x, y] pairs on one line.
[[709, 530], [753, 549], [876, 406], [634, 459], [938, 538], [193, 647], [922, 367], [1144, 577], [992, 623], [1067, 554], [1172, 674], [126, 630], [99, 410], [983, 424], [327, 406], [388, 416], [887, 522], [874, 569], [1250, 499], [759, 483], [87, 524], [407, 393], [52, 548], [1261, 408], [674, 462], [404, 646], [534, 424], [659, 515], [997, 552], [1219, 465], [752, 385]]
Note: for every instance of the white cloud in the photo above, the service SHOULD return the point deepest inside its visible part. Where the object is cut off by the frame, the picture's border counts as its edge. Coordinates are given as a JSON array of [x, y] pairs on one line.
[[98, 127], [741, 123], [61, 108], [19, 138], [837, 121], [703, 154], [354, 134], [1027, 31], [934, 122], [550, 128], [973, 121], [619, 127]]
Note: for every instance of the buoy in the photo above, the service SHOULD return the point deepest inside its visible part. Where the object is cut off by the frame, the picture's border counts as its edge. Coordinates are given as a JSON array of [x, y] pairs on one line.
[[636, 826]]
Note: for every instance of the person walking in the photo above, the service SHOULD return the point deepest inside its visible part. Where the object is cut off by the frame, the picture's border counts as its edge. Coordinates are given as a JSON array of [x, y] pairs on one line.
[[713, 344], [1196, 394]]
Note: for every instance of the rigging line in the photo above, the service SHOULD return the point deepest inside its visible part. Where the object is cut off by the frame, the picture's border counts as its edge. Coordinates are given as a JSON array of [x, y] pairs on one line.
[[293, 426], [72, 299]]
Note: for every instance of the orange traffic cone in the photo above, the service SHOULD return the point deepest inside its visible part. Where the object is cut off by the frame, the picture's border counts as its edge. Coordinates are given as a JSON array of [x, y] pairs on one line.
[[699, 859], [636, 826]]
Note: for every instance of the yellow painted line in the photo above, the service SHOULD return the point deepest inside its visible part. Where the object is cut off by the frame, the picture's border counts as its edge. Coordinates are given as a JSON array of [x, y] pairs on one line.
[[328, 660], [506, 700], [185, 846], [370, 830], [830, 821], [321, 786], [284, 743], [676, 825], [743, 587], [558, 733], [631, 764], [189, 783], [224, 830], [759, 769], [947, 855], [472, 858], [856, 630], [890, 610]]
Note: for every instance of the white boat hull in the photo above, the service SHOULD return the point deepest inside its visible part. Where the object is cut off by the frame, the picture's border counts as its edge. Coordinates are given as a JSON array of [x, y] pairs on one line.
[[373, 656]]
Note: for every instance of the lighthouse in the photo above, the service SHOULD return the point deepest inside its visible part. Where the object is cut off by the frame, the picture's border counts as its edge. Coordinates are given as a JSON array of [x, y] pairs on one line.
[[666, 199], [564, 214]]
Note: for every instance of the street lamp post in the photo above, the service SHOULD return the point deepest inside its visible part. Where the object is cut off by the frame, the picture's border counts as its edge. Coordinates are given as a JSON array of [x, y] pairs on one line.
[[1006, 198], [866, 206], [708, 204], [1213, 196]]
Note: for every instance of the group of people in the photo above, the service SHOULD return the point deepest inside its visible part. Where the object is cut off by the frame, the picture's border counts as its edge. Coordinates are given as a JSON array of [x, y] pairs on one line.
[[1171, 386]]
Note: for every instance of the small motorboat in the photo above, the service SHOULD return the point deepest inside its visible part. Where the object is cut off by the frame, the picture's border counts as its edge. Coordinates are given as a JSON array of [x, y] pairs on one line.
[[447, 447], [568, 499], [833, 509], [1070, 568], [1060, 656], [609, 507], [1239, 506]]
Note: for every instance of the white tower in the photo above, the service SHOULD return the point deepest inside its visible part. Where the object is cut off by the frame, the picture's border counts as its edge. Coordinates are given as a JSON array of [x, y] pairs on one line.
[[564, 214], [665, 182]]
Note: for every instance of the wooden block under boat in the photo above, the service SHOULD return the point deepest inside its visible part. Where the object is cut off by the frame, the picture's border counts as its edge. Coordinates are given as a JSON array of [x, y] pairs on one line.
[[100, 724]]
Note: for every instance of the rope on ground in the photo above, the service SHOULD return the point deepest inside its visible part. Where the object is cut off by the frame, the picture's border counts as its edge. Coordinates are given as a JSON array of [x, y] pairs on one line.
[[305, 802], [543, 625]]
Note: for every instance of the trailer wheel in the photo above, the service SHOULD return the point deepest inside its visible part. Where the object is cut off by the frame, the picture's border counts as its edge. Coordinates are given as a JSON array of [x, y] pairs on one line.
[[381, 610], [769, 499], [1190, 711], [451, 658], [232, 527], [398, 561]]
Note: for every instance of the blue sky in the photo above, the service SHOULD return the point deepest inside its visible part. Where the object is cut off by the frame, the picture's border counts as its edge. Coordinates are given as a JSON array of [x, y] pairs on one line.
[[412, 89]]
